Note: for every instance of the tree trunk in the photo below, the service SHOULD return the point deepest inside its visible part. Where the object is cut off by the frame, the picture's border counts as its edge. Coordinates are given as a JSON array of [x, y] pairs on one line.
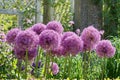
[[87, 13], [48, 11], [38, 15]]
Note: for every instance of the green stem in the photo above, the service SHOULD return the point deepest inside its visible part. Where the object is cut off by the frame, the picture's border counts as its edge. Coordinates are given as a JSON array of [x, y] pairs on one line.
[[48, 64], [89, 65], [102, 76], [78, 66], [104, 68], [19, 67], [65, 64], [26, 64], [84, 67], [45, 65], [52, 60], [38, 58], [69, 67]]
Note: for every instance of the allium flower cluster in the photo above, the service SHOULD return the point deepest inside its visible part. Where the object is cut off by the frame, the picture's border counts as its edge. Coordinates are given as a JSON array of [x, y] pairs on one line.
[[38, 28], [26, 40], [49, 39], [54, 68], [56, 26], [90, 36], [72, 44], [105, 49], [11, 35]]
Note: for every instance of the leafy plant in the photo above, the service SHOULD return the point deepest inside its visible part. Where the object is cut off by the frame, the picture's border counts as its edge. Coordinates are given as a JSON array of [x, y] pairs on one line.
[[113, 64]]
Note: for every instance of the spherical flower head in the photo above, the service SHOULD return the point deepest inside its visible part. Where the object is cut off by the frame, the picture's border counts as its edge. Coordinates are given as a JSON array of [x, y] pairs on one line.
[[54, 68], [67, 34], [90, 36], [21, 54], [11, 35], [102, 32], [71, 22], [35, 35], [59, 51], [72, 44], [78, 32], [105, 49], [26, 40], [38, 28], [2, 37], [49, 39], [56, 26]]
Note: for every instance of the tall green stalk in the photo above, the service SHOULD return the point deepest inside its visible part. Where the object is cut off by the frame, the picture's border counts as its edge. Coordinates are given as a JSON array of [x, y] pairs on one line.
[[26, 64], [19, 67], [45, 65], [65, 65], [103, 68], [69, 67]]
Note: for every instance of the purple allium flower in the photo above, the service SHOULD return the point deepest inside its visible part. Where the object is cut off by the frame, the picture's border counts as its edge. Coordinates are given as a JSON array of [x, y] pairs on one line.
[[78, 32], [72, 44], [2, 37], [102, 32], [54, 68], [71, 22], [105, 49], [90, 36], [59, 51], [26, 40], [56, 26], [67, 34], [49, 39], [21, 54], [11, 35], [38, 28]]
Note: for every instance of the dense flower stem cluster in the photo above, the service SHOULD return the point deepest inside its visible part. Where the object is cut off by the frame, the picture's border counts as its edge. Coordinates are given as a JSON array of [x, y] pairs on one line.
[[28, 45]]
